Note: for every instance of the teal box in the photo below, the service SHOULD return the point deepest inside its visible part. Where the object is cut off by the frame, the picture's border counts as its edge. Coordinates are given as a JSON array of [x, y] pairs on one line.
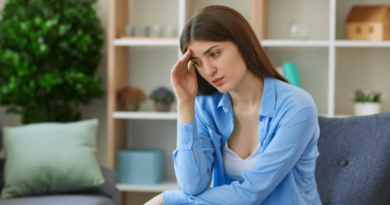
[[140, 166]]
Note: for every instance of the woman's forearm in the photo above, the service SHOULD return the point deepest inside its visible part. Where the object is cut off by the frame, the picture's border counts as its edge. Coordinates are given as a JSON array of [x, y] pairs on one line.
[[192, 170], [186, 113]]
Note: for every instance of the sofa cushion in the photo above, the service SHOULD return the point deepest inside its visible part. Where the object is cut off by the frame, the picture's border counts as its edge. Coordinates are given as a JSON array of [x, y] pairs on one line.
[[50, 158], [64, 199], [108, 189], [354, 162]]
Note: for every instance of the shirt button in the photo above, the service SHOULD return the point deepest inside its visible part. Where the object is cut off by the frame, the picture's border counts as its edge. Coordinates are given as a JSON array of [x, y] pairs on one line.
[[261, 118], [189, 129], [344, 163]]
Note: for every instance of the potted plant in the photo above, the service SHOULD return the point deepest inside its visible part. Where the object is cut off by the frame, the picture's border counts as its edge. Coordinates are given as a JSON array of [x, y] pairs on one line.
[[131, 97], [49, 53], [367, 103], [163, 98]]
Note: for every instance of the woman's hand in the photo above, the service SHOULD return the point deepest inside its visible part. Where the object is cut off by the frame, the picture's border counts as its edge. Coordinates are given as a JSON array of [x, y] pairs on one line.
[[184, 81], [157, 200]]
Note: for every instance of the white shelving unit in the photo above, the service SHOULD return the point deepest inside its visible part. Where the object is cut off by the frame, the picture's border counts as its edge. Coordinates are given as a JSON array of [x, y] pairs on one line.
[[145, 115], [346, 43], [147, 42], [294, 43], [325, 45], [167, 184]]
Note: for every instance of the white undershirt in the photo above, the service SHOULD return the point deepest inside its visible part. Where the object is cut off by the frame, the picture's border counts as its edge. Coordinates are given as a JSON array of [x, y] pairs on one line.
[[234, 165]]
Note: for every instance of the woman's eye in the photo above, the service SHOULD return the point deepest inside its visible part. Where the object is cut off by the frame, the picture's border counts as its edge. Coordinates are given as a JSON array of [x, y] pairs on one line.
[[195, 64]]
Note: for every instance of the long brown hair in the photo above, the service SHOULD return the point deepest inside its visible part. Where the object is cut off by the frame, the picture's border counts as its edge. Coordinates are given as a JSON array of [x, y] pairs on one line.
[[222, 23]]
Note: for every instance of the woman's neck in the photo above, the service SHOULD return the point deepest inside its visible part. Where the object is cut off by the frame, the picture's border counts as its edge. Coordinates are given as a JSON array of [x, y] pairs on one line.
[[248, 93]]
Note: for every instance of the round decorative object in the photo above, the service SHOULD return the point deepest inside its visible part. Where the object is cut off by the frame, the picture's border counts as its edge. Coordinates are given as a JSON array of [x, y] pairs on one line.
[[132, 106], [163, 95], [130, 30], [131, 97], [299, 30], [162, 107]]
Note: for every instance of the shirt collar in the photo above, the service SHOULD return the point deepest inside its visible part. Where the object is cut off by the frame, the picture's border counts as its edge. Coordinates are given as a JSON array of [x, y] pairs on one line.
[[268, 100]]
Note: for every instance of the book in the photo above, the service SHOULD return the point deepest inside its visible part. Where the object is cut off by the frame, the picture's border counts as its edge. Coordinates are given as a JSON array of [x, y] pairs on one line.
[[291, 73]]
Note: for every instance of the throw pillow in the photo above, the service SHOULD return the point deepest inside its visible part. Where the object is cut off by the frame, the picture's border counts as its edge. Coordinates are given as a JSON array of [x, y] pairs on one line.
[[50, 157]]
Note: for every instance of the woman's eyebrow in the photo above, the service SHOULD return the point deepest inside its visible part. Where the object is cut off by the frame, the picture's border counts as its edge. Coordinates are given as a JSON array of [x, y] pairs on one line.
[[208, 50]]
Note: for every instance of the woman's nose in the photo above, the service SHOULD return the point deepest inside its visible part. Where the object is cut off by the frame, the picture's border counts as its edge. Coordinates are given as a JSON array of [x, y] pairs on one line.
[[209, 69]]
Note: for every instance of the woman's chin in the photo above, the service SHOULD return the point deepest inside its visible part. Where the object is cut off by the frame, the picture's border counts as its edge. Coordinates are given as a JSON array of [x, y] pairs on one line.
[[222, 88]]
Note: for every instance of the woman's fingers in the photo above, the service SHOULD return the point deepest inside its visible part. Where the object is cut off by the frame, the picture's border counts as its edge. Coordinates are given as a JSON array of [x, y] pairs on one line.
[[184, 60], [191, 68], [186, 55], [182, 63]]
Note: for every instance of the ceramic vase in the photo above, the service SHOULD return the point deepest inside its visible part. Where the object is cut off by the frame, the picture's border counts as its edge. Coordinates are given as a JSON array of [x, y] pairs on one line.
[[132, 106], [162, 107], [367, 108]]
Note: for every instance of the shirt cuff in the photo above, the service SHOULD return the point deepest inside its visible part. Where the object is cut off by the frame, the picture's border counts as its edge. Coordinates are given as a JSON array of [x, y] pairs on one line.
[[186, 134], [175, 197]]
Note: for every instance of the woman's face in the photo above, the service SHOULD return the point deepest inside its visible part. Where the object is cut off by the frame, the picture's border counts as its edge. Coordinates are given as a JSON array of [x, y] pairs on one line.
[[214, 60]]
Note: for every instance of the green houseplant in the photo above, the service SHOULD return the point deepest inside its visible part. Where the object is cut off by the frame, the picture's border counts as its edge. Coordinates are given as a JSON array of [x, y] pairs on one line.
[[367, 103], [49, 52]]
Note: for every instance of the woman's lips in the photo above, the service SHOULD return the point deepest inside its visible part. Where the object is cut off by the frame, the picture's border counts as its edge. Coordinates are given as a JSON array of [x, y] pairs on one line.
[[219, 82]]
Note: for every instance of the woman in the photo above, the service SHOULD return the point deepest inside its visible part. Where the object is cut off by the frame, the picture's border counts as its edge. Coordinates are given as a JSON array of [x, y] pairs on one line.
[[245, 135]]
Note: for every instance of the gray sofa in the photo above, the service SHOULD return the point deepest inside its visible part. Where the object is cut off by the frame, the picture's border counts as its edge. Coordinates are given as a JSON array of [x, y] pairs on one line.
[[354, 162], [107, 194], [353, 167]]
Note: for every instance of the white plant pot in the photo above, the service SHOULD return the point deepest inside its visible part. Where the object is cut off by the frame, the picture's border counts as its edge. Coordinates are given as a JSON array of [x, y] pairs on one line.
[[367, 108]]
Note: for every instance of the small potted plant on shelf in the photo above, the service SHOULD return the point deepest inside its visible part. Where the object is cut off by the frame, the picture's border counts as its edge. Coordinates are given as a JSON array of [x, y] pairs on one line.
[[367, 103], [163, 98], [131, 97]]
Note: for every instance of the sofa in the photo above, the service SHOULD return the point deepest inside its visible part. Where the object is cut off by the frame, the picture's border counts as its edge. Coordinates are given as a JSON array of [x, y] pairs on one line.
[[106, 194], [353, 166]]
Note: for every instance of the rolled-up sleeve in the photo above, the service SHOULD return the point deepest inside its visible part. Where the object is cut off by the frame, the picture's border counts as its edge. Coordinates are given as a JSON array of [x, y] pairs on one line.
[[175, 197], [288, 143]]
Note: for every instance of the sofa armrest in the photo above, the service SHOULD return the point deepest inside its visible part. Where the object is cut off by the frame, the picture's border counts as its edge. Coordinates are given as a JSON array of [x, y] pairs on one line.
[[2, 163], [107, 189], [109, 186], [1, 133]]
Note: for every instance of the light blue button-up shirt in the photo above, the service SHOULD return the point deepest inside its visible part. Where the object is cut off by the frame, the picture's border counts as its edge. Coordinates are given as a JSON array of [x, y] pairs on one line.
[[283, 172]]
